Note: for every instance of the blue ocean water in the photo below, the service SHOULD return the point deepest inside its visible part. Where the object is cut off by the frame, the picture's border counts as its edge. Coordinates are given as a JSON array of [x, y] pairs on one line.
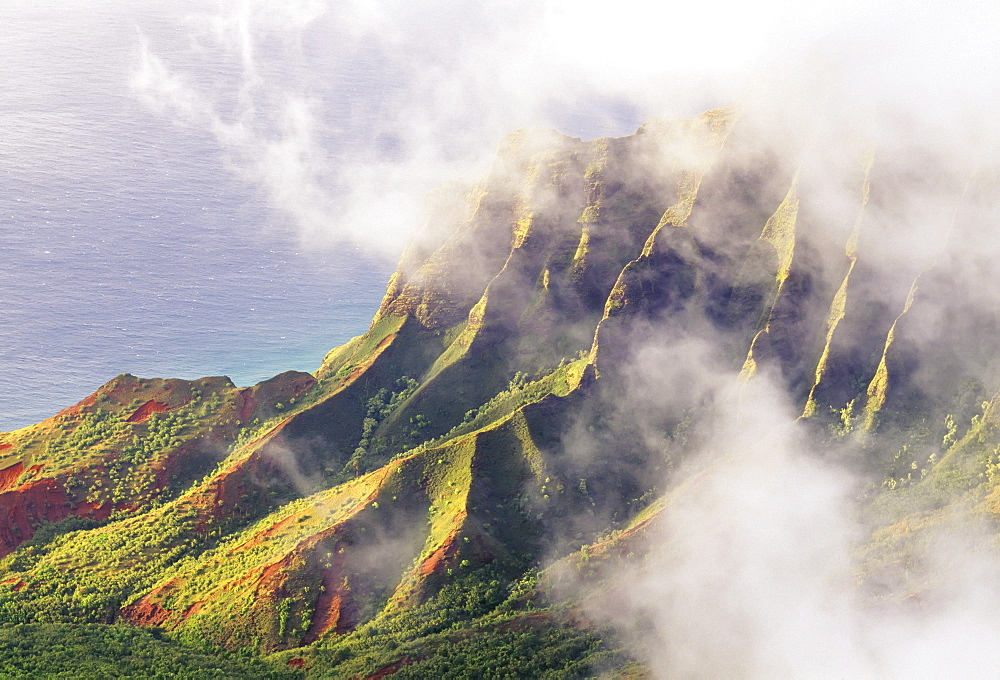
[[127, 245], [128, 240]]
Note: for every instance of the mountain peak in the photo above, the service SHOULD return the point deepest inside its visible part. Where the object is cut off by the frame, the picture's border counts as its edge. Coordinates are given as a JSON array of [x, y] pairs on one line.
[[544, 386]]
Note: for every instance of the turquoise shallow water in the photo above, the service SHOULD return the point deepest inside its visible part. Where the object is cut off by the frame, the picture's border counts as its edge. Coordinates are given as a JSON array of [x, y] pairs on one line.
[[126, 245]]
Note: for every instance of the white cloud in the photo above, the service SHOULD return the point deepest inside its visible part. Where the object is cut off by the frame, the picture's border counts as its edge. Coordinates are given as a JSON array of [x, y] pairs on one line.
[[348, 113]]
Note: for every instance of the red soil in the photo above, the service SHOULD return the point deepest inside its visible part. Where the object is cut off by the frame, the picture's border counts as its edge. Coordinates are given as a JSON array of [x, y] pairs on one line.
[[335, 611], [328, 533], [297, 662], [217, 500], [437, 562], [193, 609], [94, 510], [220, 498], [439, 559], [302, 384], [247, 405], [149, 408], [268, 533], [335, 607], [392, 668], [9, 475], [4, 447], [365, 365], [625, 543], [272, 575], [528, 622], [226, 492], [76, 408], [385, 342], [280, 388], [27, 506], [145, 611], [361, 368], [18, 583]]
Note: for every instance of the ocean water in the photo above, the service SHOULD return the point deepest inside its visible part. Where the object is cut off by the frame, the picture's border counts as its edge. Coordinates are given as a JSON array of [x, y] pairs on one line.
[[131, 242], [126, 244]]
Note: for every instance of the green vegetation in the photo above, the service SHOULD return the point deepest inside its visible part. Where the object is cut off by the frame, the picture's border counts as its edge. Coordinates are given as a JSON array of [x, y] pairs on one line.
[[838, 307], [410, 509], [382, 404], [780, 234], [879, 387], [480, 625], [90, 651]]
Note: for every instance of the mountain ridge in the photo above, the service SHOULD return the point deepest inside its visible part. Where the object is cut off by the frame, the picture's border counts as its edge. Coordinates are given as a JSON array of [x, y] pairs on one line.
[[510, 410]]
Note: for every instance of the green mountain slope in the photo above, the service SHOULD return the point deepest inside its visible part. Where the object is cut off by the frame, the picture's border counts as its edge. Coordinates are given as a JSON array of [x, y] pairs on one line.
[[508, 424]]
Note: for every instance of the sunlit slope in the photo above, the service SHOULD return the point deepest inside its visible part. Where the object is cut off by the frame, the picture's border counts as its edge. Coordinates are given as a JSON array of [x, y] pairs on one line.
[[127, 447], [505, 412]]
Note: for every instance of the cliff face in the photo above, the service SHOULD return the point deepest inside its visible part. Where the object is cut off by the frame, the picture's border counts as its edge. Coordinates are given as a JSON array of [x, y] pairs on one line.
[[503, 412]]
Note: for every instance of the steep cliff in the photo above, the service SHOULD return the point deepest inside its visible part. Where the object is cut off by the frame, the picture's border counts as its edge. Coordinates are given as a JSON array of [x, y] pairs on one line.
[[510, 410]]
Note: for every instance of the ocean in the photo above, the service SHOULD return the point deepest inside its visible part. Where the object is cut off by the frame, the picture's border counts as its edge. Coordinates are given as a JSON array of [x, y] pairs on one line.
[[133, 240], [127, 244]]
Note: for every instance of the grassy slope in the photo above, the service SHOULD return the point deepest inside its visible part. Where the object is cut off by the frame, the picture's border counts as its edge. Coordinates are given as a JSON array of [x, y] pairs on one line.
[[389, 513]]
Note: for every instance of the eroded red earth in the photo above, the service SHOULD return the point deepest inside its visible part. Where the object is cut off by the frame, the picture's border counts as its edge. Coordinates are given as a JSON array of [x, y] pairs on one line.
[[9, 475], [30, 504], [149, 408]]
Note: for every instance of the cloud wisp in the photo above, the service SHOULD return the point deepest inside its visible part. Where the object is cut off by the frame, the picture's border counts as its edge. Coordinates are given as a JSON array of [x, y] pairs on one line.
[[346, 114], [752, 569]]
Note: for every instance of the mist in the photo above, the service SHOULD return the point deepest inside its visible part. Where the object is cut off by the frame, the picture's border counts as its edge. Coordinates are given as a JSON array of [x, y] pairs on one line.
[[347, 114], [754, 569]]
